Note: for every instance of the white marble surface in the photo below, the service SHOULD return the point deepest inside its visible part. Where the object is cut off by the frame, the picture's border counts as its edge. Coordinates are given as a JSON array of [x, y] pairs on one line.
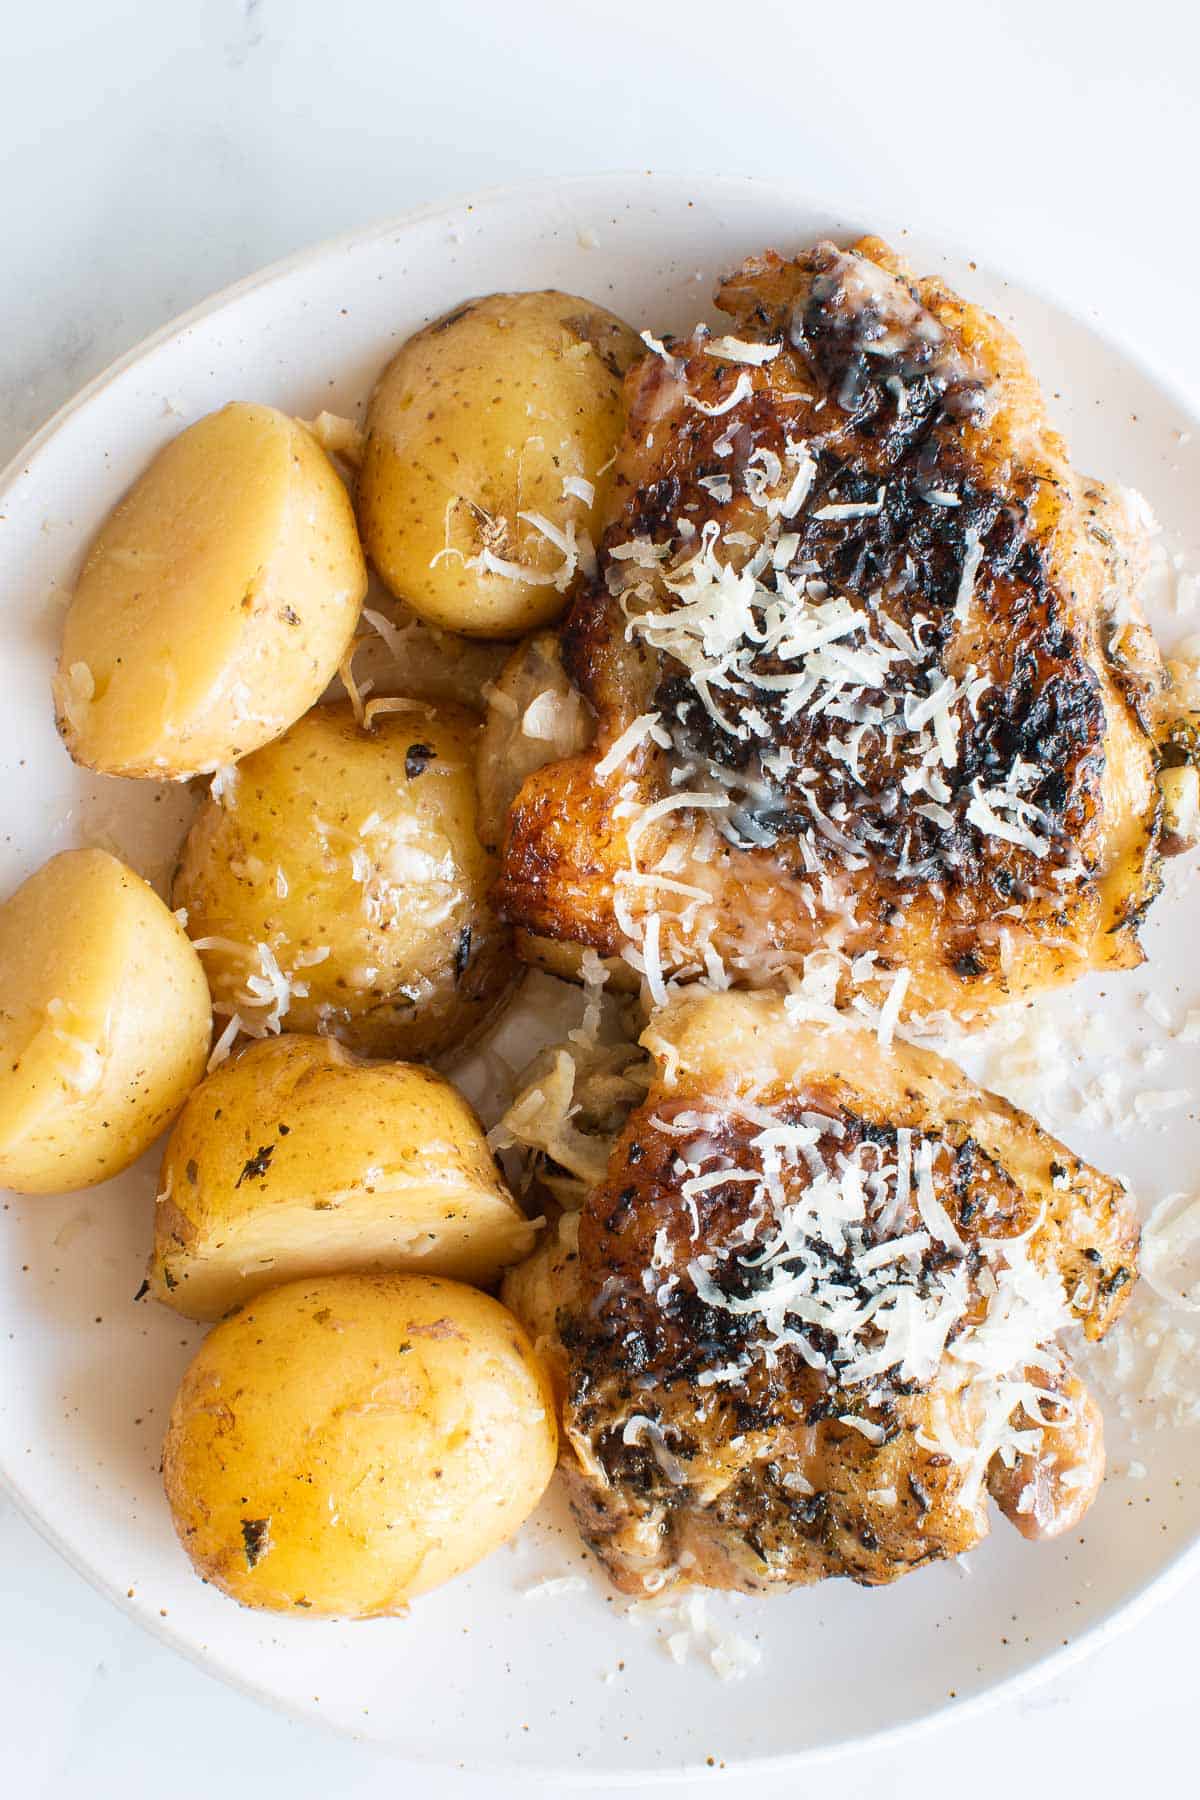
[[153, 150]]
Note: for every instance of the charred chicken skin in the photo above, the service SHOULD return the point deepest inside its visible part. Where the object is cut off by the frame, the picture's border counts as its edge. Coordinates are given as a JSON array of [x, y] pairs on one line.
[[865, 659], [806, 1323]]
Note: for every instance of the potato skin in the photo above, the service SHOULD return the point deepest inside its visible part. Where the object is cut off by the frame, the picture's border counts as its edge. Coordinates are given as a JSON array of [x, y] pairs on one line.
[[340, 1446], [105, 1023], [478, 418], [295, 1160], [390, 927], [214, 605]]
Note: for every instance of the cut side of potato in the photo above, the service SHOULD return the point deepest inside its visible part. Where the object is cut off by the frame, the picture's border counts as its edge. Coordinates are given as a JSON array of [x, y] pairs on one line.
[[296, 1159], [105, 1022], [216, 603], [487, 444], [341, 1446]]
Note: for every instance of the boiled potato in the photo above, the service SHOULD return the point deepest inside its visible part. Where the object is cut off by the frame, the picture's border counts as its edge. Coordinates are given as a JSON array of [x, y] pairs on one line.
[[215, 604], [486, 428], [296, 1159], [104, 1023], [342, 1445], [336, 879]]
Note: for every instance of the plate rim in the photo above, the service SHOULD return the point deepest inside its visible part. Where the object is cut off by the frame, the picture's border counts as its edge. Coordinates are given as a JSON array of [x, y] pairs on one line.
[[1148, 362], [1174, 1574]]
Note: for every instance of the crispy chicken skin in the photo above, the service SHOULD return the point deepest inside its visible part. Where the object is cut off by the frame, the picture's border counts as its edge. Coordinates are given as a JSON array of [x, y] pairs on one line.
[[724, 1426], [943, 759]]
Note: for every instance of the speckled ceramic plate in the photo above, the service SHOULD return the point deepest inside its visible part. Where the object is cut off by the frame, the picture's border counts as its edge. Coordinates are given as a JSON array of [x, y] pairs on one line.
[[498, 1669]]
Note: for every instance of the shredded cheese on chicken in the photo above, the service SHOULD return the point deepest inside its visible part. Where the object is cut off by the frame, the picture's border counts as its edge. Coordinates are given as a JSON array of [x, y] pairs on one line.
[[857, 1266]]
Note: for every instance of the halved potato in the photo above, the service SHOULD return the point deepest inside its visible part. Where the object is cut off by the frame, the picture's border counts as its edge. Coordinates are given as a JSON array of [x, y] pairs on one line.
[[337, 880], [105, 1022], [215, 604], [340, 1446], [297, 1159], [487, 442]]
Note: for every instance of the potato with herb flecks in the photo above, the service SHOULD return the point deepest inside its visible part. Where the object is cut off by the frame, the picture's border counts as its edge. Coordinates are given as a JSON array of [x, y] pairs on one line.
[[105, 1022], [487, 444], [336, 881], [340, 1446], [297, 1159], [215, 604]]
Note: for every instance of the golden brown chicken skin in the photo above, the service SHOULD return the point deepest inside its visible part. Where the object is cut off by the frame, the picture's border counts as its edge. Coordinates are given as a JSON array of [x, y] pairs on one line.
[[807, 1321], [866, 663]]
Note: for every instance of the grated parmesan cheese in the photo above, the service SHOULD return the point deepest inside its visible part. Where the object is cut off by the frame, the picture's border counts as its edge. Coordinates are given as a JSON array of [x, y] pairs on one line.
[[224, 1043], [743, 388], [675, 364], [890, 1011], [852, 509], [576, 487], [646, 725], [556, 1587], [737, 350], [970, 568], [223, 785]]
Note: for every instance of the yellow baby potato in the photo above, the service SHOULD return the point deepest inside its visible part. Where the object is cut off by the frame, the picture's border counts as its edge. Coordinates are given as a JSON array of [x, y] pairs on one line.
[[342, 1445], [335, 880], [104, 1023], [484, 464], [296, 1159], [215, 604]]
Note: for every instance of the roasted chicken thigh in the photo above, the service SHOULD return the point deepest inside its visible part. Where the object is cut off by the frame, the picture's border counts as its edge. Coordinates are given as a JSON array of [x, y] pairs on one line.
[[807, 1319], [866, 663]]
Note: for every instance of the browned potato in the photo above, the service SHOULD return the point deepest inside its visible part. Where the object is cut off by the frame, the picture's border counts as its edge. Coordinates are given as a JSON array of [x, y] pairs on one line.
[[337, 881], [215, 604], [297, 1159], [485, 459], [104, 1023], [340, 1446]]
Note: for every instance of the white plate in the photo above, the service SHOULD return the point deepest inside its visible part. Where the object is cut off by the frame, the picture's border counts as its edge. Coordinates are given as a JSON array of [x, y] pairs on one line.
[[481, 1674]]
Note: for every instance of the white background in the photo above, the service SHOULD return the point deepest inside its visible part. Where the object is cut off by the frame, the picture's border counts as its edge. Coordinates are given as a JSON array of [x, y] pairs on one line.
[[154, 150]]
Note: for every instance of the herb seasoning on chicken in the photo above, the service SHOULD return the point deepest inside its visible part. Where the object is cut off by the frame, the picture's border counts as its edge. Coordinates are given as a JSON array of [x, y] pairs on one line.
[[811, 1322], [866, 660]]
